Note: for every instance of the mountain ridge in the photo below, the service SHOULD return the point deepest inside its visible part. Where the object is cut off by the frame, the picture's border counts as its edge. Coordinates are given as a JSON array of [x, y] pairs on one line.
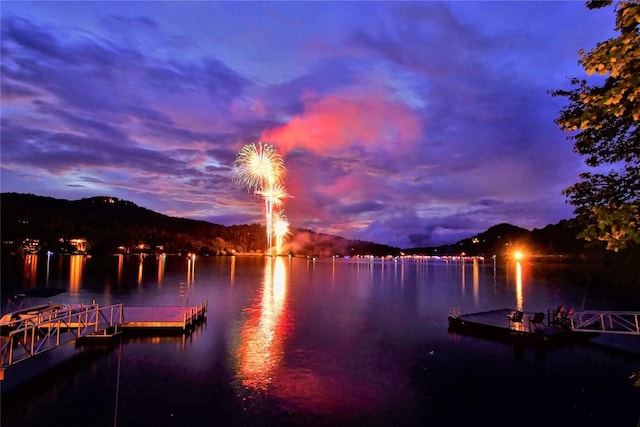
[[110, 224]]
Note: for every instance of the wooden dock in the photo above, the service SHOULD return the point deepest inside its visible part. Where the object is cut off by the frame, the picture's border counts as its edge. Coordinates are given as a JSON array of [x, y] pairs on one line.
[[29, 332], [167, 318], [495, 324]]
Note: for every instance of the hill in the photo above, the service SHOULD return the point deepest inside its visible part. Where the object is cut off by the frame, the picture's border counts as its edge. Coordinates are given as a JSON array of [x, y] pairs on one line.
[[501, 239], [111, 225]]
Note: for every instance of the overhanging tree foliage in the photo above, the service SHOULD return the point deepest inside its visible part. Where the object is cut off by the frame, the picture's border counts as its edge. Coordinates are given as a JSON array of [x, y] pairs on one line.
[[604, 122]]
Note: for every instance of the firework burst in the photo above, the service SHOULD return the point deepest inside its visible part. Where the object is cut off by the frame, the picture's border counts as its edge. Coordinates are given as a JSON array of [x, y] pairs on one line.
[[259, 167]]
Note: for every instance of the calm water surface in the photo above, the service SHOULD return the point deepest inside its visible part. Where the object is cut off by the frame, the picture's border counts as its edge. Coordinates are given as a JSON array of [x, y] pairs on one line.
[[324, 342]]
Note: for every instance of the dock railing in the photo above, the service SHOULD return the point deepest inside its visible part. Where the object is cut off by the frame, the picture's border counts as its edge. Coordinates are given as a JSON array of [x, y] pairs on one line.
[[42, 331], [612, 322], [191, 317]]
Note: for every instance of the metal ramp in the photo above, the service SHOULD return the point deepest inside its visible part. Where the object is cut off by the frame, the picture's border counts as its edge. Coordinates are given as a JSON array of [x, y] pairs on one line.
[[610, 322], [39, 331]]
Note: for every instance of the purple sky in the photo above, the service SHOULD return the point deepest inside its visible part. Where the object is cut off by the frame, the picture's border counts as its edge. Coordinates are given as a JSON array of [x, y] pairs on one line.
[[409, 124]]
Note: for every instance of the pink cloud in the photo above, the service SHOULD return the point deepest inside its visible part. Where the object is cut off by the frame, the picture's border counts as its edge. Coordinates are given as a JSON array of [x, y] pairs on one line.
[[333, 122]]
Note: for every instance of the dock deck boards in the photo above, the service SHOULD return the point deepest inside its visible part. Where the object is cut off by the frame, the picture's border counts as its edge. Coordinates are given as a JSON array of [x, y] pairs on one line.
[[496, 324], [500, 319], [169, 317]]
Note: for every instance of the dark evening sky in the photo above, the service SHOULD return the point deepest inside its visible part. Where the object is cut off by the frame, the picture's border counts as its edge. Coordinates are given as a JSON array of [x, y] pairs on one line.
[[409, 124]]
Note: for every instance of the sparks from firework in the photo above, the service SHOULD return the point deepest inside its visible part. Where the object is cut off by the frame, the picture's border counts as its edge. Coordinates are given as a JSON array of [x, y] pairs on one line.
[[273, 196], [261, 168], [274, 193], [280, 229], [256, 166]]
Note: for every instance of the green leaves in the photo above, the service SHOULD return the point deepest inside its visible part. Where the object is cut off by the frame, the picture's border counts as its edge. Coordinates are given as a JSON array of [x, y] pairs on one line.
[[617, 227], [604, 122]]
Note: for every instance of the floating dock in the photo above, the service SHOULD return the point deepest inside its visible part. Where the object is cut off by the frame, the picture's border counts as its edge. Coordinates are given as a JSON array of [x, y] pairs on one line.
[[28, 332], [496, 324], [168, 319]]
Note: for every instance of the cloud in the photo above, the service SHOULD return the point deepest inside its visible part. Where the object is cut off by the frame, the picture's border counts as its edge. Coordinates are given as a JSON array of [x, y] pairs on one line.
[[334, 123], [398, 122]]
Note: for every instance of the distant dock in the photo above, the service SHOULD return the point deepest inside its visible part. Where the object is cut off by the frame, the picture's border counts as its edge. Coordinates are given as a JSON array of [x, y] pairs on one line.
[[497, 324]]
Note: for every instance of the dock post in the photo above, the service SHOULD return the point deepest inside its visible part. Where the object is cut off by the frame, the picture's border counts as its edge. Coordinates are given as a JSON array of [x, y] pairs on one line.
[[57, 332], [11, 350], [33, 340], [79, 322], [97, 319]]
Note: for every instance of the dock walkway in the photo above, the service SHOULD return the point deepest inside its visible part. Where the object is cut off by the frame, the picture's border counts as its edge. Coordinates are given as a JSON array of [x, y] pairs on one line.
[[33, 331]]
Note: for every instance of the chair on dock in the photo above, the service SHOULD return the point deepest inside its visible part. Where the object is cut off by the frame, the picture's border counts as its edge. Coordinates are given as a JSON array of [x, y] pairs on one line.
[[515, 318], [537, 321], [565, 317], [555, 316]]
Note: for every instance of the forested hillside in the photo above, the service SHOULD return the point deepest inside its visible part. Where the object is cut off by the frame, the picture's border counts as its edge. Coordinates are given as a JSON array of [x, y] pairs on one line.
[[110, 225]]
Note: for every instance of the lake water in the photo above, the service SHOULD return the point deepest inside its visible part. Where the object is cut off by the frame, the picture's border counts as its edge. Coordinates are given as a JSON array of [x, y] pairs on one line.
[[292, 341]]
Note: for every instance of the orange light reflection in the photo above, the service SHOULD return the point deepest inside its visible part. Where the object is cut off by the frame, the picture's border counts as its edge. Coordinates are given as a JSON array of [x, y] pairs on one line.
[[140, 269], [162, 262], [120, 267], [191, 268], [232, 273], [263, 334], [30, 270], [519, 297], [76, 265], [476, 281]]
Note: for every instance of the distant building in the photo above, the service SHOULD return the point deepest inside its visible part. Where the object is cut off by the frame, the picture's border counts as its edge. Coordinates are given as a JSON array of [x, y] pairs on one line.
[[30, 246], [75, 245], [80, 245]]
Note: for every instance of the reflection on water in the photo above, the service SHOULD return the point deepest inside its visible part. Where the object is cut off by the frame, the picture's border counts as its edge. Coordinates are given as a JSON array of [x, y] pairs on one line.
[[162, 264], [371, 347], [464, 282], [476, 282], [48, 267], [30, 270], [140, 269], [264, 332], [191, 268], [120, 266], [232, 270], [76, 267], [519, 297]]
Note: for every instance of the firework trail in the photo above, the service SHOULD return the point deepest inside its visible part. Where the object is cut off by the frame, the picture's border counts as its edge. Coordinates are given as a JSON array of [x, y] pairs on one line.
[[260, 168], [280, 229], [273, 196]]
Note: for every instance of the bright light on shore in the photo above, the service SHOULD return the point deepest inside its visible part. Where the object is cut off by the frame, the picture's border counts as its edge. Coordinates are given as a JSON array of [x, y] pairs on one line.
[[518, 255]]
